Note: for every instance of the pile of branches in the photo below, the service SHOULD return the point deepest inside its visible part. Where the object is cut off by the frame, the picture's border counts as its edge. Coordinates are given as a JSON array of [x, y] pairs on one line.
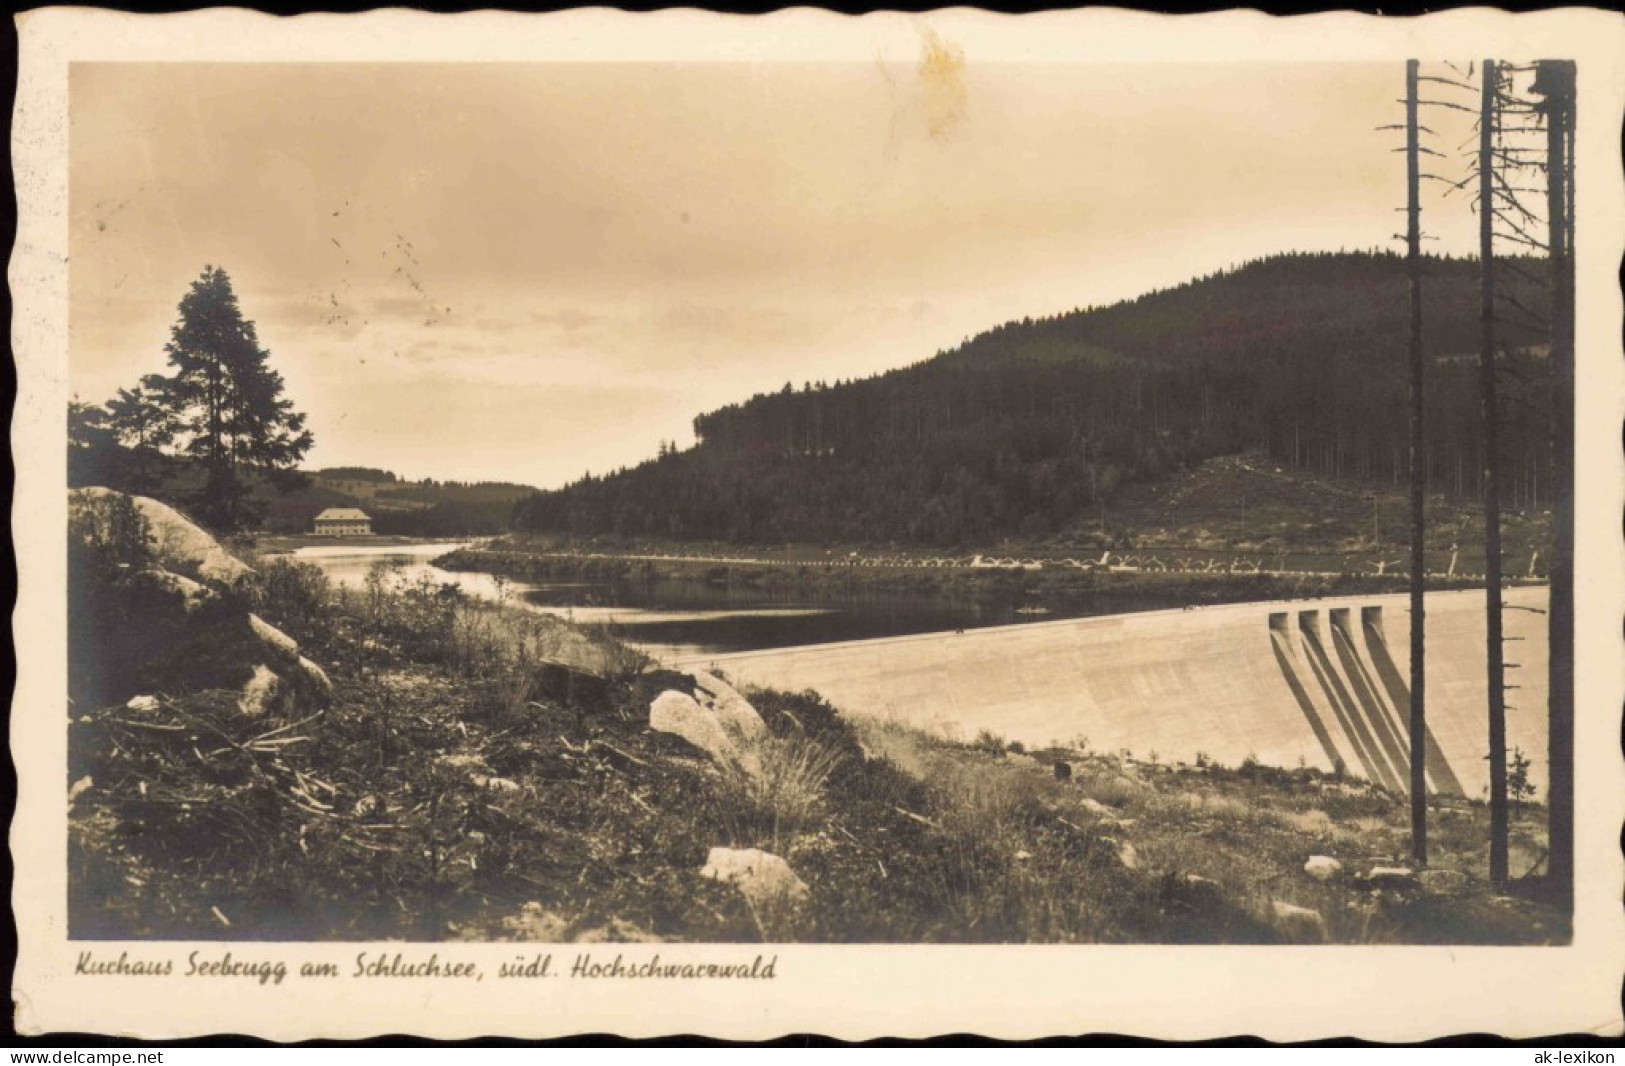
[[198, 776], [224, 821]]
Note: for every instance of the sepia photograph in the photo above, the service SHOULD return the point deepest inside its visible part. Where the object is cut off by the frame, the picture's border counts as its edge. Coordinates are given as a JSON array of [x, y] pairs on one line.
[[597, 505]]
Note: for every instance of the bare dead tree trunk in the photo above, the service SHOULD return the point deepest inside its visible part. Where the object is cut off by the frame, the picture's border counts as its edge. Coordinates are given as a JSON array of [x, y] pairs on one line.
[[1492, 498], [1413, 266], [1555, 79]]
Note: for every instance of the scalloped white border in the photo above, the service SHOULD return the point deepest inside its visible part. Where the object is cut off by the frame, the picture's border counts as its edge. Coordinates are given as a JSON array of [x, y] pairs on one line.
[[1384, 993]]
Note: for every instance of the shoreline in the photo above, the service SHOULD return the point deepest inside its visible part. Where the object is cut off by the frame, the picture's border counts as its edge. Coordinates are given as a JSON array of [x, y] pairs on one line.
[[1032, 589]]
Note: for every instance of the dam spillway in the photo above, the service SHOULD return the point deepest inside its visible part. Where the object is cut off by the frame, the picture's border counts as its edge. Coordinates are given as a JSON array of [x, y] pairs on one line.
[[1322, 682]]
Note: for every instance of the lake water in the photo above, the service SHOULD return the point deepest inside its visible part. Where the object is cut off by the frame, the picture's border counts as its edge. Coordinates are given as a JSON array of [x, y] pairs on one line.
[[670, 619]]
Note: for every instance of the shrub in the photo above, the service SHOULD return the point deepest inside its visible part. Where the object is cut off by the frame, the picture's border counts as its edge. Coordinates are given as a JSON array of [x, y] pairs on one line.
[[107, 534], [294, 596], [803, 712], [990, 742], [784, 794]]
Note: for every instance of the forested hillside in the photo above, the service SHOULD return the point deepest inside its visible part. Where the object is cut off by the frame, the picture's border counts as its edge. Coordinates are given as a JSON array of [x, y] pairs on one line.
[[1027, 430], [288, 502], [426, 508]]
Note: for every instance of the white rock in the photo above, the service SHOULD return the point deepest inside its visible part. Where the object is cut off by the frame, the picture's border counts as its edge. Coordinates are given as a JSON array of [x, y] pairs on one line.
[[144, 704], [1322, 867], [315, 674], [285, 650], [721, 726], [273, 638], [1302, 925], [730, 708], [256, 696], [762, 877], [1391, 877], [681, 715]]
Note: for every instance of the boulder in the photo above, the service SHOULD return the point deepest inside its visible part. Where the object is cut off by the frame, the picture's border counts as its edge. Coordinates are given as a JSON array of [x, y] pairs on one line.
[[257, 696], [1096, 808], [275, 641], [179, 544], [167, 632], [315, 675], [1299, 925], [1392, 878], [729, 707], [763, 878], [295, 679], [1128, 785], [681, 715], [577, 652], [715, 719], [1127, 857], [577, 683], [1322, 867], [177, 625], [188, 594]]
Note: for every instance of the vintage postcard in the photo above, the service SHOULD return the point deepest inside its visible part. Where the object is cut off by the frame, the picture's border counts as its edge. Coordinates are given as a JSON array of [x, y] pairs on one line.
[[870, 526]]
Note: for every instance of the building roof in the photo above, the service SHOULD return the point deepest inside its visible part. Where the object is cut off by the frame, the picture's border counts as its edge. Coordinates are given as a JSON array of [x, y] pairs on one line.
[[342, 514]]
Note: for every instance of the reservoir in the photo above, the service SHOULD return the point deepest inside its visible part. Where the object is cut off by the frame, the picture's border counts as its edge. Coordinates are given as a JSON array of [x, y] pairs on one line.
[[673, 619]]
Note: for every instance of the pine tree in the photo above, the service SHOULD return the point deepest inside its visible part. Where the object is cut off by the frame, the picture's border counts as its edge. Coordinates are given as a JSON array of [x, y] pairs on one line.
[[227, 402], [144, 424], [92, 443]]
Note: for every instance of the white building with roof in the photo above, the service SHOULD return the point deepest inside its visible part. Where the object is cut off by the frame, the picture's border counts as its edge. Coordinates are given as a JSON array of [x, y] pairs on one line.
[[343, 522]]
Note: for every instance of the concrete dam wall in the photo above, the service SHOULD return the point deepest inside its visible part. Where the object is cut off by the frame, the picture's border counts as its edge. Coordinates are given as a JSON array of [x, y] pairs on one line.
[[1321, 681]]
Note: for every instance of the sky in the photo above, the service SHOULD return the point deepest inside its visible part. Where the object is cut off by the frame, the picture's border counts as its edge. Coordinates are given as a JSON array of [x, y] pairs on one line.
[[526, 272]]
